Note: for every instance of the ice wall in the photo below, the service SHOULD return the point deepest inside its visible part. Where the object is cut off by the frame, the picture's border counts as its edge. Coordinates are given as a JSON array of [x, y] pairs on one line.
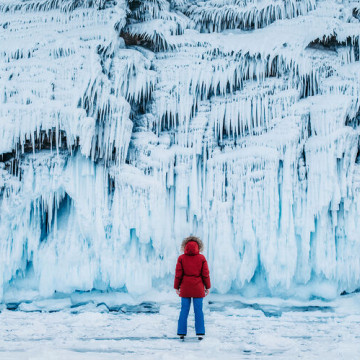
[[128, 125]]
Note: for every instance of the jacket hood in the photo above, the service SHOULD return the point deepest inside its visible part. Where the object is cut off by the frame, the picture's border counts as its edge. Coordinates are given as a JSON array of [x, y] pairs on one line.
[[192, 238], [191, 248]]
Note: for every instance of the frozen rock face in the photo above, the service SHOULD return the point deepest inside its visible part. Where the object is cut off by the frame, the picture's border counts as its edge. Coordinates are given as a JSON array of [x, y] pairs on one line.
[[126, 126]]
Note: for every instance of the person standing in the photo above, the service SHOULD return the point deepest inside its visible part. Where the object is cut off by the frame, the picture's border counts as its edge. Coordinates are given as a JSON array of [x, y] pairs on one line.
[[192, 281]]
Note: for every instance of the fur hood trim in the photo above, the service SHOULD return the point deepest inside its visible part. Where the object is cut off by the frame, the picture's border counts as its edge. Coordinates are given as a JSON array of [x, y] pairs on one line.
[[192, 238]]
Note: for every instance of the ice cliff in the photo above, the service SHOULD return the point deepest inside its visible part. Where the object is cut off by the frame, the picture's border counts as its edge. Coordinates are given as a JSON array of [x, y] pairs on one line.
[[128, 125]]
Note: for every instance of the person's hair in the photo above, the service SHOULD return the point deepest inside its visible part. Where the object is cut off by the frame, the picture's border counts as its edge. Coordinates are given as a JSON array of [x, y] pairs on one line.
[[192, 238]]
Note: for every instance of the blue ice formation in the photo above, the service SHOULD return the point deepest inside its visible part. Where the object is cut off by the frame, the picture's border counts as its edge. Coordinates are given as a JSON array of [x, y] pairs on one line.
[[127, 125]]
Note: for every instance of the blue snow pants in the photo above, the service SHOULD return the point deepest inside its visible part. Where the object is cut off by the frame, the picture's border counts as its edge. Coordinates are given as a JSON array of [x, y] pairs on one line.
[[199, 316]]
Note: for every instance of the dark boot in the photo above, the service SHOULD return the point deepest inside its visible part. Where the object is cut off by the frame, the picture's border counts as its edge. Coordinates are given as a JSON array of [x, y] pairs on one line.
[[200, 336], [182, 337]]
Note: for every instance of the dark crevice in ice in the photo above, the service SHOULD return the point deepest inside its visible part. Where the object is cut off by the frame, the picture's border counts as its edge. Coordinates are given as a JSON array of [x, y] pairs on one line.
[[267, 310], [150, 307], [352, 292]]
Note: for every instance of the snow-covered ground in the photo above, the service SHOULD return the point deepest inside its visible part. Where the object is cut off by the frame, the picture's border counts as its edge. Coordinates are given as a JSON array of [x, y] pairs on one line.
[[235, 329]]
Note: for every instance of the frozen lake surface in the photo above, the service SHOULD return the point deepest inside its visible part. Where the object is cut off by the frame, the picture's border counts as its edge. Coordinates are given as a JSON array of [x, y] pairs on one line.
[[235, 328]]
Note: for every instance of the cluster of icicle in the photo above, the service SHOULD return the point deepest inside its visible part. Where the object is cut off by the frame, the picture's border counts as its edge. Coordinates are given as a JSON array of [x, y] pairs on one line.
[[235, 120]]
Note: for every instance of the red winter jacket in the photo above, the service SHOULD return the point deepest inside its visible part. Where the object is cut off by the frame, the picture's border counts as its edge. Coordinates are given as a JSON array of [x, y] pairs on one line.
[[192, 272]]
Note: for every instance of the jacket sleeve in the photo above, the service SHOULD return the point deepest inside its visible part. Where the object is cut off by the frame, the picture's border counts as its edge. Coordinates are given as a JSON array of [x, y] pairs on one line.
[[179, 273], [205, 274]]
